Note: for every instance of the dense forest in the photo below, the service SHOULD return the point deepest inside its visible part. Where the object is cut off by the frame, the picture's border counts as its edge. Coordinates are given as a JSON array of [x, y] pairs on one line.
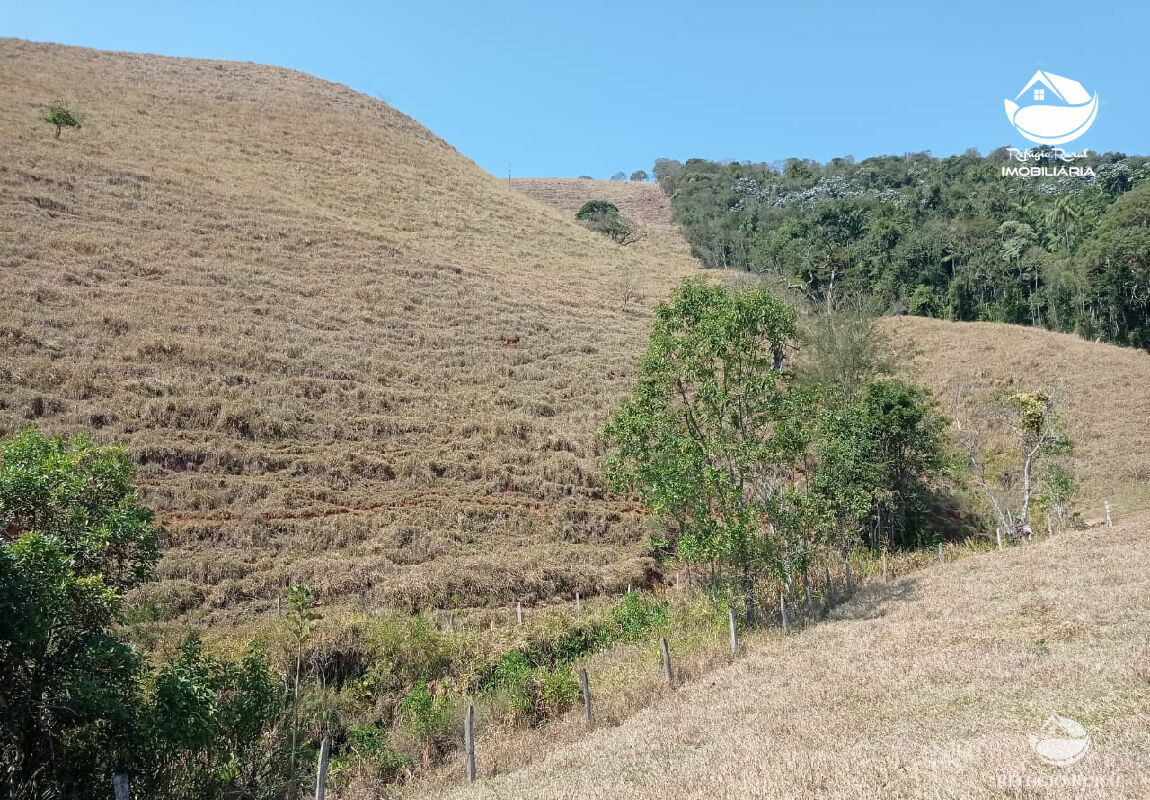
[[942, 237]]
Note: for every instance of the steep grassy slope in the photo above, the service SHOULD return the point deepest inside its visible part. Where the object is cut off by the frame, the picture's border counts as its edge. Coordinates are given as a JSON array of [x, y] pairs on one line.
[[341, 352], [925, 687], [1101, 392]]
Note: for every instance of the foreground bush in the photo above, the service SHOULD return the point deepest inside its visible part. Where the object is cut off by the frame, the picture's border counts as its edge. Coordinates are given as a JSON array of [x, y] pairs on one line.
[[78, 704]]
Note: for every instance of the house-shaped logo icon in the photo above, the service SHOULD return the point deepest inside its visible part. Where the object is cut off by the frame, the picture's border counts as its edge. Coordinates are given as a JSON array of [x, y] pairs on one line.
[[1052, 109]]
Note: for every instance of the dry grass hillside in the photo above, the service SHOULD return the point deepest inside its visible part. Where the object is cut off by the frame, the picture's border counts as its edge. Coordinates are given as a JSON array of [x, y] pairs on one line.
[[924, 687], [645, 203], [344, 355], [1101, 392], [341, 353]]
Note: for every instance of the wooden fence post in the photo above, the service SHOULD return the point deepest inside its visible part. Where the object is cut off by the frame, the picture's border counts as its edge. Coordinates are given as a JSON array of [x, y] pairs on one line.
[[120, 786], [469, 741], [518, 612], [586, 694], [666, 659], [940, 558], [321, 772], [998, 537], [1109, 521], [734, 630], [850, 583], [451, 621], [783, 609], [578, 603], [884, 565]]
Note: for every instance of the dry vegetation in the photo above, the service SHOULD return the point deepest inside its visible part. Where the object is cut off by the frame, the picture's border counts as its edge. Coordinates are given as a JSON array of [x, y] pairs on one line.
[[924, 687], [1100, 390], [344, 355], [645, 203], [341, 352]]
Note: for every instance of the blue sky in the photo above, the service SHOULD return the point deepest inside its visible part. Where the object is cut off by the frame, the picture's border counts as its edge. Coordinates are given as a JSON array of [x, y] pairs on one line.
[[562, 88]]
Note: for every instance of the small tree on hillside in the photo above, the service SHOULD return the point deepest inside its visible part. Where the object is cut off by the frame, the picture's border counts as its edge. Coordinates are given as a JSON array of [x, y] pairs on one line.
[[1008, 473], [603, 217], [619, 176], [301, 620], [639, 175], [60, 115]]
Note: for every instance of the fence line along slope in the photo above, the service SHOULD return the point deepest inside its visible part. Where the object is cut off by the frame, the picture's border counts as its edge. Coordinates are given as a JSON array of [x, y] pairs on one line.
[[342, 353], [927, 686]]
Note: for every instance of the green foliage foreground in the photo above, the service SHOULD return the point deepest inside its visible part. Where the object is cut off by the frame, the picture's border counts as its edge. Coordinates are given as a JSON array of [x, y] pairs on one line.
[[79, 704]]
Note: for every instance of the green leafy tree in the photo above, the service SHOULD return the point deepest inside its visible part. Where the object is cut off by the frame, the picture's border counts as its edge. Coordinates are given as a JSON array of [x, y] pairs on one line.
[[1116, 268], [60, 115], [877, 454], [1058, 490], [640, 175], [604, 217], [696, 438], [74, 537]]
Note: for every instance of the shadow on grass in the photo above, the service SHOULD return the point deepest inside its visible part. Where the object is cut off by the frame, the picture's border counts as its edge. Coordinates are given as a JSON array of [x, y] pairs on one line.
[[872, 600]]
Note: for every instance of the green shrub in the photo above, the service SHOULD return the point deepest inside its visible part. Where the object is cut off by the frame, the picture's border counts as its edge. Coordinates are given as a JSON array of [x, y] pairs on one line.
[[594, 209], [404, 650], [427, 719], [210, 728], [604, 217], [373, 748], [557, 691], [636, 616], [59, 114]]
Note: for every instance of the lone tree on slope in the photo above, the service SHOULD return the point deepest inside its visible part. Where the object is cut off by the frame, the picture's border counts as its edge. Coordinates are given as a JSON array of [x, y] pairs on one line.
[[60, 115]]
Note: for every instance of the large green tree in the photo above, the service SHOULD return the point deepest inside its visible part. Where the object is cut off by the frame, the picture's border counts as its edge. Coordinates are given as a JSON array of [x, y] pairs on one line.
[[74, 537], [697, 440]]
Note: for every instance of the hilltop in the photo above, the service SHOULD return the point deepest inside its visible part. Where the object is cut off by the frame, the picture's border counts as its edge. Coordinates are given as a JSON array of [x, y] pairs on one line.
[[341, 353]]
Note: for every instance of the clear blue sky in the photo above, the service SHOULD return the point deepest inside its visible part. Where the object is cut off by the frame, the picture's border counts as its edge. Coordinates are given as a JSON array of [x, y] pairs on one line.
[[570, 88]]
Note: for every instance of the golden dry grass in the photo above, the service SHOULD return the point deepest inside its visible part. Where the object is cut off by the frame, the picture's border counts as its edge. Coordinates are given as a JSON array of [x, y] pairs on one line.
[[1101, 391], [341, 352], [344, 355], [645, 203], [924, 687]]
